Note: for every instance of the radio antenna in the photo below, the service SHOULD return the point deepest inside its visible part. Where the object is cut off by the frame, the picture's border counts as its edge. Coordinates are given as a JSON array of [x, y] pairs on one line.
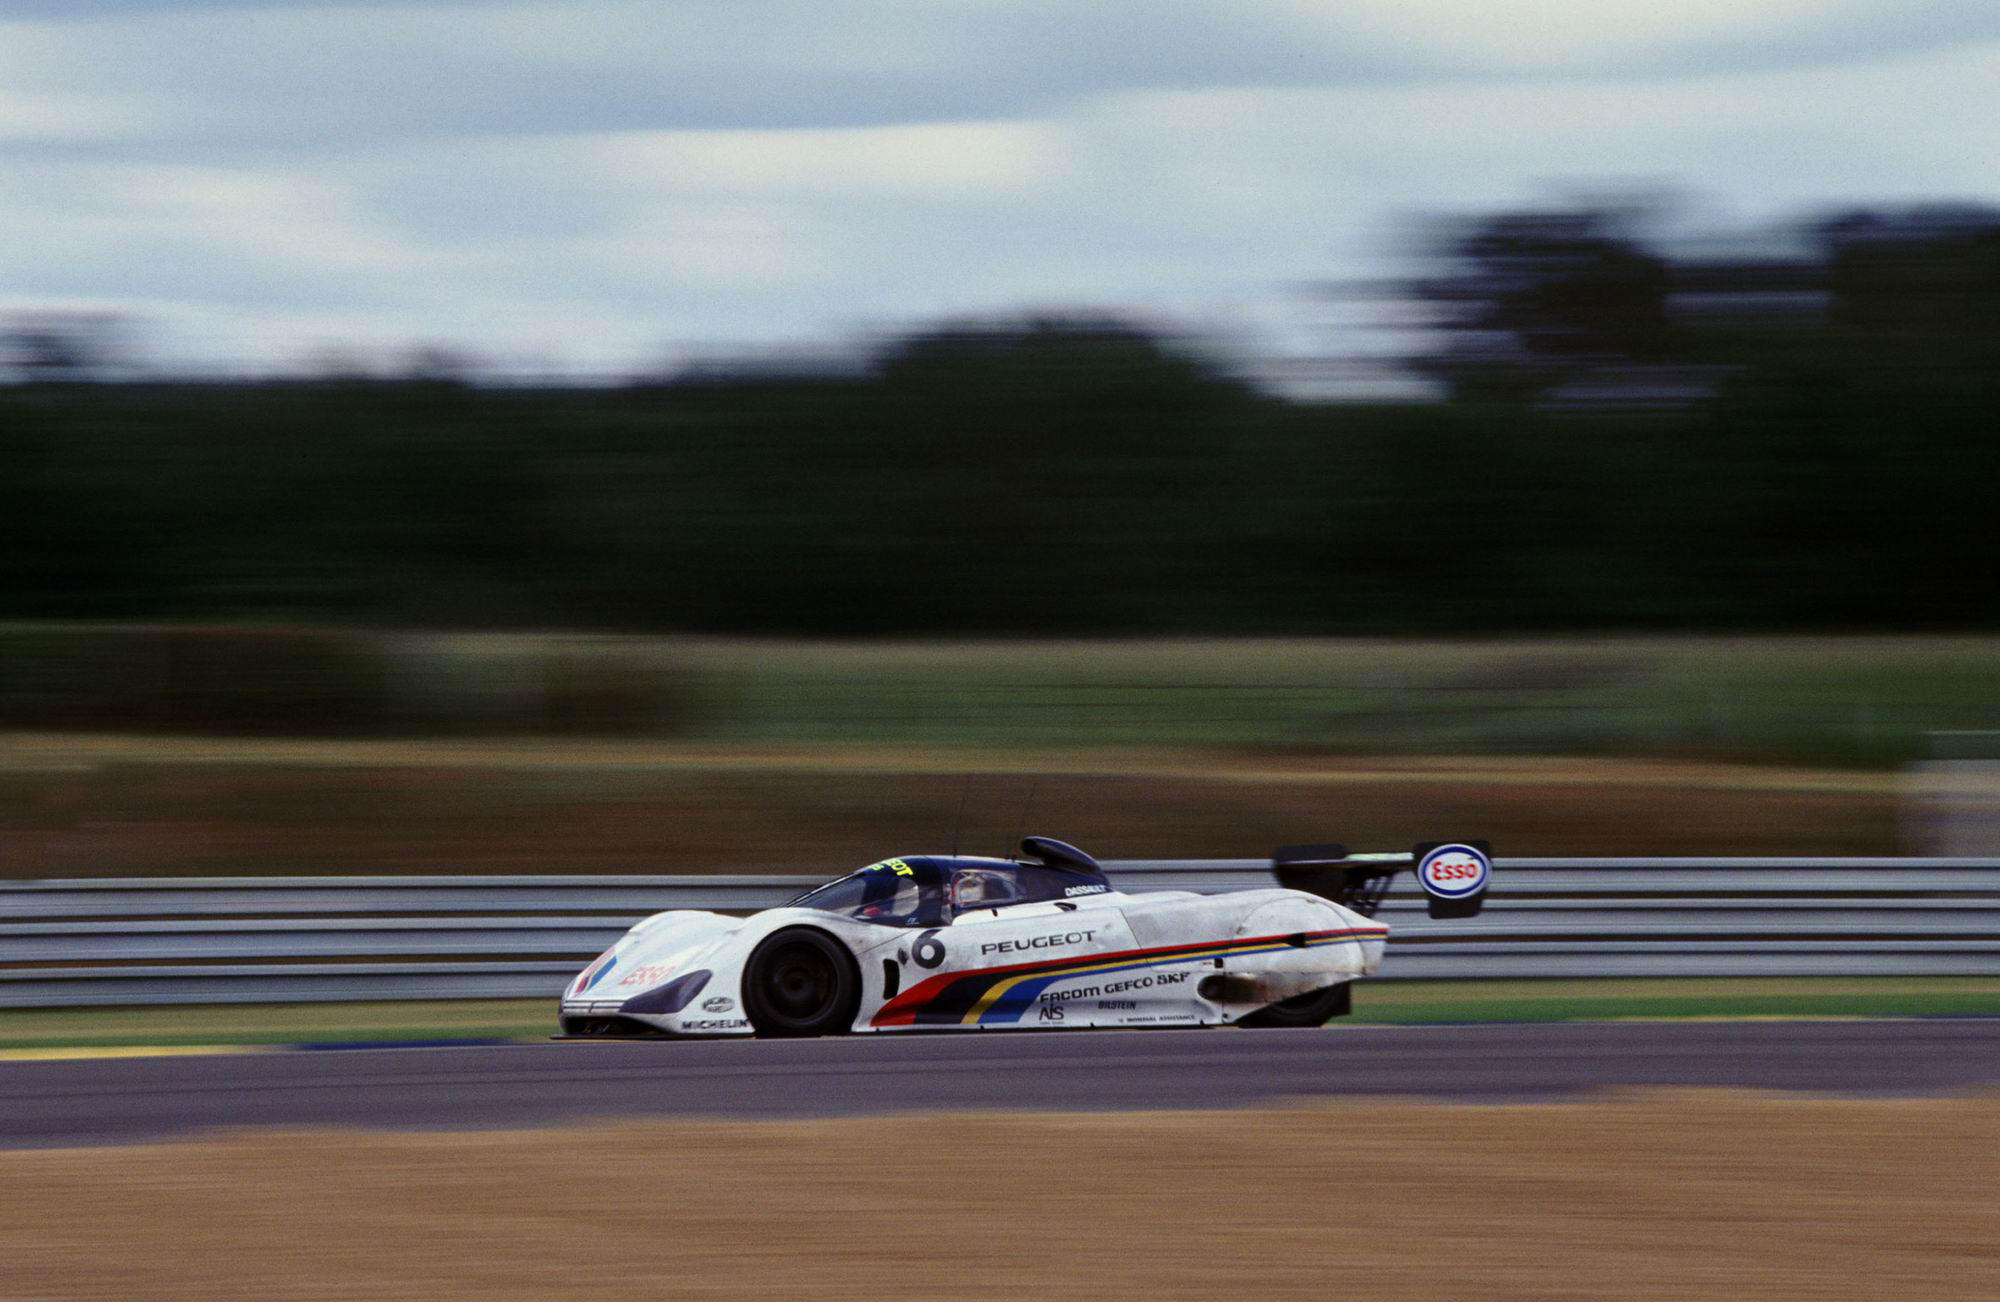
[[1026, 805], [958, 824]]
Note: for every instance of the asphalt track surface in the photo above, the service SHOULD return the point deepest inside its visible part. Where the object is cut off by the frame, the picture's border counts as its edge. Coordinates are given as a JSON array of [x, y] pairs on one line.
[[99, 1101]]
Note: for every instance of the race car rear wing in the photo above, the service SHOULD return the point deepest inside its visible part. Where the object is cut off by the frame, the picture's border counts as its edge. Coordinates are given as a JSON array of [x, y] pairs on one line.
[[1454, 875]]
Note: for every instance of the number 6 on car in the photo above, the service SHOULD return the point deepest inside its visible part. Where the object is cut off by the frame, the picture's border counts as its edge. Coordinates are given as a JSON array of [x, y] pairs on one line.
[[925, 942]]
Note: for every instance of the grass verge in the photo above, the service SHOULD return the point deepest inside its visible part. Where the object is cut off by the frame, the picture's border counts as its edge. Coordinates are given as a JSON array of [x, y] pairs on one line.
[[1413, 1002], [1865, 701], [470, 1019], [1375, 1003]]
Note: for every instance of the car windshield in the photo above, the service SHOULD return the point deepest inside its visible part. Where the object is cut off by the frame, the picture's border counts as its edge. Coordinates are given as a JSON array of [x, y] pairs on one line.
[[892, 893]]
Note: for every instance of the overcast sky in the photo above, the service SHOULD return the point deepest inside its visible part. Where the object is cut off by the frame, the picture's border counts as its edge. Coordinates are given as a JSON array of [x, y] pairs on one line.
[[594, 185]]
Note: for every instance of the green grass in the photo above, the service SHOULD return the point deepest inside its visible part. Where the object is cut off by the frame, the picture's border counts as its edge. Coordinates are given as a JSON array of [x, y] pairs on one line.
[[1860, 701], [1408, 1002], [1375, 1003], [471, 1019], [1865, 701]]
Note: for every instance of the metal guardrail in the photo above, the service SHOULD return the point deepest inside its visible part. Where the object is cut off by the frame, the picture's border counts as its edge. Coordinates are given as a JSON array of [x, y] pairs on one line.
[[285, 939]]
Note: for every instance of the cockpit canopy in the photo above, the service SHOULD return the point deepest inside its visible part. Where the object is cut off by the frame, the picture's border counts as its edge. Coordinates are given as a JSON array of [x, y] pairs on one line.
[[929, 890], [894, 893]]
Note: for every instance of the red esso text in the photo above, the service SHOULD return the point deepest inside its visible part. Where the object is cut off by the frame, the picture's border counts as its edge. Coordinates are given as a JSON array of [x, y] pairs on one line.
[[646, 974], [1452, 870]]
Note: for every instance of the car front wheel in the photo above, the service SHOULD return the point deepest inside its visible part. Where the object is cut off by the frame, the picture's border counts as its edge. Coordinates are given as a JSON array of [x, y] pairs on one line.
[[801, 981]]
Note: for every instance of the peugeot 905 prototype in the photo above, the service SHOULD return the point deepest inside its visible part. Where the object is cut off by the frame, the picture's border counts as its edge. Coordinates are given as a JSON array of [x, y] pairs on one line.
[[1044, 941]]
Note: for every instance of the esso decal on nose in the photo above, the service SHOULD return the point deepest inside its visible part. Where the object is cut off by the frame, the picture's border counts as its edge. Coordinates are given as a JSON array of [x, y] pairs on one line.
[[1453, 872]]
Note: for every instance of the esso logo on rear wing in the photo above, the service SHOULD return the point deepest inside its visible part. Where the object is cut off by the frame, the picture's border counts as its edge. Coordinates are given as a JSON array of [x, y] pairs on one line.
[[1454, 874]]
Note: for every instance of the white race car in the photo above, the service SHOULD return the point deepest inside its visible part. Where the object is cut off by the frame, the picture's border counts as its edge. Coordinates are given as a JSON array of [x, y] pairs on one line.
[[924, 942]]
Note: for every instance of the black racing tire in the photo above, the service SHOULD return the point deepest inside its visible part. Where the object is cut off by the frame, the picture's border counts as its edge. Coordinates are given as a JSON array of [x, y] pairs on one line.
[[801, 982], [1314, 1008]]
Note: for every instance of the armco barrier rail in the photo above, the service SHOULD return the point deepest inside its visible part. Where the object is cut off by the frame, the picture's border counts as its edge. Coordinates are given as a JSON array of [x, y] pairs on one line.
[[235, 940]]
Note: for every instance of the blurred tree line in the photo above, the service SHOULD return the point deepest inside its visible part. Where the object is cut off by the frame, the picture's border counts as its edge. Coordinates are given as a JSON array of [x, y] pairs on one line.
[[1625, 437]]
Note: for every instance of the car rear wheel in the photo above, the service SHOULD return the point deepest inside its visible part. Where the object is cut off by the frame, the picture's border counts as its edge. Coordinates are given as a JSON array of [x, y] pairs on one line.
[[801, 981], [1314, 1008]]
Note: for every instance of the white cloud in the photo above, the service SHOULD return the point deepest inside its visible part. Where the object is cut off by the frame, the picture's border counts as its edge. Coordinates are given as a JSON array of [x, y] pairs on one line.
[[54, 116], [590, 179], [1542, 35], [933, 158], [324, 76]]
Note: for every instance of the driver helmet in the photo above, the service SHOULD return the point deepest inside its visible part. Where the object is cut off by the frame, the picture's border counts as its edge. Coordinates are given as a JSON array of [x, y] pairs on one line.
[[979, 888]]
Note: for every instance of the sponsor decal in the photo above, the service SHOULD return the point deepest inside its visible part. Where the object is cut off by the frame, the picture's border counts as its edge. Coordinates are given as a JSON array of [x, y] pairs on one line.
[[1120, 1004], [1115, 987], [719, 1004], [647, 973], [1011, 991], [596, 972], [896, 866], [1085, 890], [1037, 942], [1049, 1013], [1453, 872], [714, 1023]]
